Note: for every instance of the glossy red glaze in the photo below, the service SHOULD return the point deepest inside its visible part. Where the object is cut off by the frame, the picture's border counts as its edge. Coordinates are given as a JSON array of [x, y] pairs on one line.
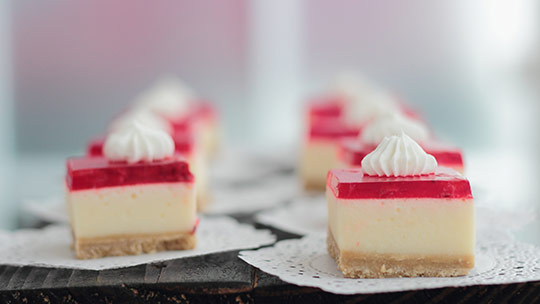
[[329, 107], [353, 184], [95, 146], [184, 143], [199, 111], [197, 221], [98, 172], [352, 152], [332, 128]]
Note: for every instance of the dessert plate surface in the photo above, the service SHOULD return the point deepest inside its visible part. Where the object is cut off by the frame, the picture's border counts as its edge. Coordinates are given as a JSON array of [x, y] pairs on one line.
[[500, 259], [50, 247]]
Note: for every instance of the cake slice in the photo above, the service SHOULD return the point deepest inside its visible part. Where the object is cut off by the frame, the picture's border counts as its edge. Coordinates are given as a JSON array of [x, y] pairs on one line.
[[400, 215], [172, 99], [137, 198], [203, 118], [353, 151], [319, 151], [323, 108], [184, 145]]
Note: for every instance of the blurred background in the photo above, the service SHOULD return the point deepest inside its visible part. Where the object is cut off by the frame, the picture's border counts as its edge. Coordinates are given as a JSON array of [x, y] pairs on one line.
[[67, 67]]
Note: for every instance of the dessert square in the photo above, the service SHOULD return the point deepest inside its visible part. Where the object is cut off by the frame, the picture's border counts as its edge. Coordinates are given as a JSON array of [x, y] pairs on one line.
[[202, 119], [352, 151], [400, 226], [172, 99], [319, 153], [329, 107], [120, 208], [185, 145]]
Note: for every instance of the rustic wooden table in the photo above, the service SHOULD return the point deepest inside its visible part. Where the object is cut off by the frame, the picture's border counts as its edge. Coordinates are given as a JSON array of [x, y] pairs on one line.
[[220, 277]]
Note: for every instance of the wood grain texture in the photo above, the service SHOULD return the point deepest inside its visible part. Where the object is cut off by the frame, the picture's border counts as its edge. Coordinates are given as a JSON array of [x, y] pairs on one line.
[[220, 277]]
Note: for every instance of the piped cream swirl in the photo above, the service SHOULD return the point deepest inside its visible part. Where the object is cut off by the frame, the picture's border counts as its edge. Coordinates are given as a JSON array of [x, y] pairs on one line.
[[138, 142], [394, 124], [169, 97], [398, 156], [365, 105], [150, 119]]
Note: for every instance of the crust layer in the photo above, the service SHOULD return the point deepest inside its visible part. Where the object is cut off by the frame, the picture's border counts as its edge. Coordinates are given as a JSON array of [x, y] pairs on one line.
[[356, 265], [92, 248], [314, 184]]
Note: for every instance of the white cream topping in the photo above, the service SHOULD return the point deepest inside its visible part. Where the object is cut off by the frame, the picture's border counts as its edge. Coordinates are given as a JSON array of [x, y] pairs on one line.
[[394, 124], [138, 142], [352, 85], [169, 97], [149, 119], [348, 84], [398, 156], [365, 100], [369, 106]]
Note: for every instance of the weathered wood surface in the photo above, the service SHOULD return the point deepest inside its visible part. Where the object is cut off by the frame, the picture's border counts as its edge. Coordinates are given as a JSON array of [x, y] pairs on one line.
[[220, 277]]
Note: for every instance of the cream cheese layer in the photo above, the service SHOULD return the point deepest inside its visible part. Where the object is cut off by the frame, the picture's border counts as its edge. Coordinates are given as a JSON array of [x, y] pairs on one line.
[[318, 157], [423, 226], [135, 209]]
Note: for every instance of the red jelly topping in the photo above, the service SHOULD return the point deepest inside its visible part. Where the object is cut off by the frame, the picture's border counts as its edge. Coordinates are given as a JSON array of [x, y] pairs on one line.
[[353, 184], [353, 151], [183, 143], [197, 221], [199, 111], [330, 107], [332, 128], [95, 146], [98, 172]]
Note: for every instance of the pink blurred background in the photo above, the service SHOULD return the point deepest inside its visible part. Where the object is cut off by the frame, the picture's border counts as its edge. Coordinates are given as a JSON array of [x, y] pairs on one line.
[[472, 68]]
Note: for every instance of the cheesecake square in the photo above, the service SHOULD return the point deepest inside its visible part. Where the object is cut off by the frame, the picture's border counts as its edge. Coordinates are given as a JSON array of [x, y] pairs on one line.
[[202, 118], [319, 151], [120, 208], [404, 226], [185, 145], [323, 108], [352, 152]]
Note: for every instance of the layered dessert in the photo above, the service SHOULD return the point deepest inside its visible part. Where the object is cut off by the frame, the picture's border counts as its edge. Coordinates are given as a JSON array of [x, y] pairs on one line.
[[184, 144], [175, 101], [324, 108], [319, 151], [348, 88], [354, 103], [353, 151], [139, 197], [400, 215]]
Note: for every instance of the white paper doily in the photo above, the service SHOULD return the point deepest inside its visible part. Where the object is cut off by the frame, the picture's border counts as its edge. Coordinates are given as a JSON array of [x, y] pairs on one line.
[[305, 262], [244, 165], [305, 215], [254, 197], [51, 210], [50, 247]]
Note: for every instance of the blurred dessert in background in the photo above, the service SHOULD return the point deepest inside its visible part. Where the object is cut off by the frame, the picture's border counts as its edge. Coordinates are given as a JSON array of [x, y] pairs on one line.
[[184, 145], [169, 105], [353, 102], [172, 99], [352, 151], [320, 150], [139, 197]]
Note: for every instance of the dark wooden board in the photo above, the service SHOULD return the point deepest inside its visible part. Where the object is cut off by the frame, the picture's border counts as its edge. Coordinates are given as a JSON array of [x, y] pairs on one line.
[[220, 277]]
